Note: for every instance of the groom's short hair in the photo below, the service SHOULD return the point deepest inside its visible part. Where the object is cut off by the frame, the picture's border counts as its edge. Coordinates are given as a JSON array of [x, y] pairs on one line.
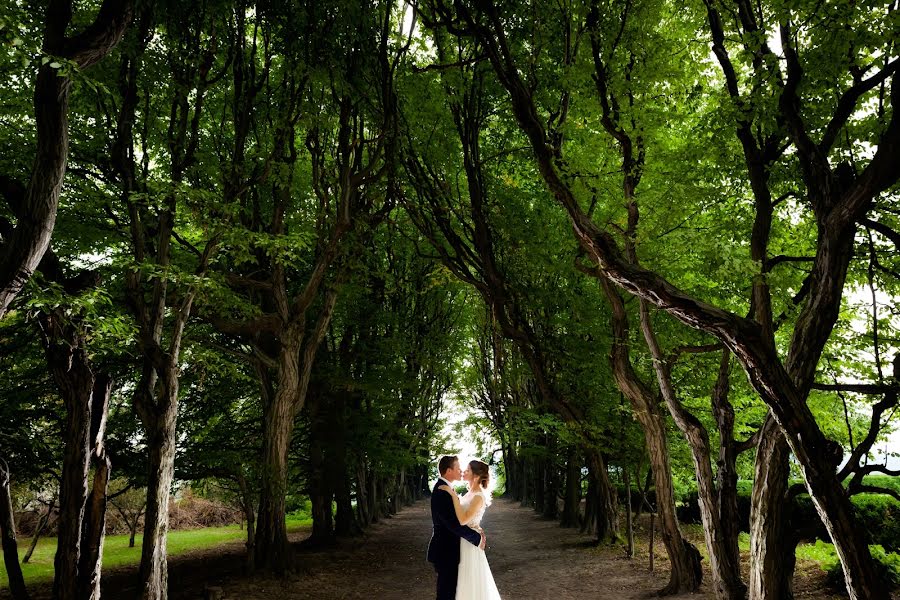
[[446, 463]]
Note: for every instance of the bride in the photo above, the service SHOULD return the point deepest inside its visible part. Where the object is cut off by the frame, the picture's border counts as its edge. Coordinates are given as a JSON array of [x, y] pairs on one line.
[[475, 581]]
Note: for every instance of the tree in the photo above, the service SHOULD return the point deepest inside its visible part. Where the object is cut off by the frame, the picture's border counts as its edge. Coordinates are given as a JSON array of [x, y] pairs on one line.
[[459, 229], [25, 243], [342, 119], [837, 201]]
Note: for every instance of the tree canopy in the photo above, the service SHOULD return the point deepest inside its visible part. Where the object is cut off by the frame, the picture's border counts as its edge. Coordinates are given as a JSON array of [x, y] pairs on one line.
[[265, 244]]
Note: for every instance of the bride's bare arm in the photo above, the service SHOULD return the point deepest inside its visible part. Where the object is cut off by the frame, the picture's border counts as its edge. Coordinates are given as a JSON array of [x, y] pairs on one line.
[[464, 516]]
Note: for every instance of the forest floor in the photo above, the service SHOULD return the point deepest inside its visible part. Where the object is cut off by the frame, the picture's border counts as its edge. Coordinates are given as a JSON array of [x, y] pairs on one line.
[[531, 558]]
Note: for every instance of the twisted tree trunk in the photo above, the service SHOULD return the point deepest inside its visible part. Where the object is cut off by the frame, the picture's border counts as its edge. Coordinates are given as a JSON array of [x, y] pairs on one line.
[[23, 249], [686, 572]]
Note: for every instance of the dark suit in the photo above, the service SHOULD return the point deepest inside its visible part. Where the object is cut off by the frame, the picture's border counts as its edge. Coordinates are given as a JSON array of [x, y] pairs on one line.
[[443, 550]]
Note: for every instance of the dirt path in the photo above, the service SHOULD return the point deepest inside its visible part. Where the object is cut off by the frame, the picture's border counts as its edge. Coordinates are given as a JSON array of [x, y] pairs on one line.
[[531, 558]]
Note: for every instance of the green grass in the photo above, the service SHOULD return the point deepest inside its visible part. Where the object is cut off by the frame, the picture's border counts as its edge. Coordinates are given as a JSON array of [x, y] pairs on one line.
[[820, 552], [116, 552]]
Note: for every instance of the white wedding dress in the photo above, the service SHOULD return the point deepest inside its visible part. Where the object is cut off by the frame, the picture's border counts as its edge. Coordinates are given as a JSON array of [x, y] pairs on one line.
[[475, 581]]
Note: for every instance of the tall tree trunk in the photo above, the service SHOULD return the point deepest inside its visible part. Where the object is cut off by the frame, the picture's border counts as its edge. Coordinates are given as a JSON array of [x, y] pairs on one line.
[[539, 479], [572, 500], [94, 531], [607, 506], [76, 383], [161, 440], [8, 532], [510, 470], [375, 508], [719, 528], [272, 548], [772, 546], [726, 484], [589, 523], [551, 482], [629, 523], [319, 488], [296, 354], [686, 572], [81, 518], [362, 494], [345, 523], [527, 482]]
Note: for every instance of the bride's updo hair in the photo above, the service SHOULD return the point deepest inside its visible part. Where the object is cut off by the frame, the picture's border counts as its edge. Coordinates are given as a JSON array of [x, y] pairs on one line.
[[480, 470]]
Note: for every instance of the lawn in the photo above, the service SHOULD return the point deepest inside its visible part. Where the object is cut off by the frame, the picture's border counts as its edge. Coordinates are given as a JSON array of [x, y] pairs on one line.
[[117, 553]]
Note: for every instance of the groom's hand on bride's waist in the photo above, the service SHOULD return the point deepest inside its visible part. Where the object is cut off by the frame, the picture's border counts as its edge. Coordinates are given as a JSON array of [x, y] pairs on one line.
[[483, 541]]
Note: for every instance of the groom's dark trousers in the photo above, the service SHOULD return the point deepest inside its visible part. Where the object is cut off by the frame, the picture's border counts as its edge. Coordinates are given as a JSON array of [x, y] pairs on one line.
[[443, 550]]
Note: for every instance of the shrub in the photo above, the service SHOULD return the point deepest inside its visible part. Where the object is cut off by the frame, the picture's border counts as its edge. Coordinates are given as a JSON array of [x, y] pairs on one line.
[[879, 514], [194, 512], [887, 565]]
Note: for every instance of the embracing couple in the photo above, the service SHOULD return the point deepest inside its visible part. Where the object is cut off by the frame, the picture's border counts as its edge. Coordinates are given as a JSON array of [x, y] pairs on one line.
[[457, 543]]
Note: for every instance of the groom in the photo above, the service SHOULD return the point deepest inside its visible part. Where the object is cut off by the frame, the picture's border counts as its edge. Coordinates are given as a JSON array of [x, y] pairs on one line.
[[443, 550]]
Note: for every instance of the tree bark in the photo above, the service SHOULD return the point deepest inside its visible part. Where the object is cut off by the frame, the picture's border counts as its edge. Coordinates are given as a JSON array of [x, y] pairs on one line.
[[686, 573], [589, 523], [607, 506], [86, 398], [319, 488], [345, 523], [719, 528], [772, 546], [362, 494], [572, 499], [94, 532], [539, 479], [76, 383], [551, 481], [629, 527], [272, 548], [160, 429], [8, 531]]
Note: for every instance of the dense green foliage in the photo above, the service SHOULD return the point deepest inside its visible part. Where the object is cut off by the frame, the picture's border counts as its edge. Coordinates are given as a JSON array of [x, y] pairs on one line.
[[339, 218]]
